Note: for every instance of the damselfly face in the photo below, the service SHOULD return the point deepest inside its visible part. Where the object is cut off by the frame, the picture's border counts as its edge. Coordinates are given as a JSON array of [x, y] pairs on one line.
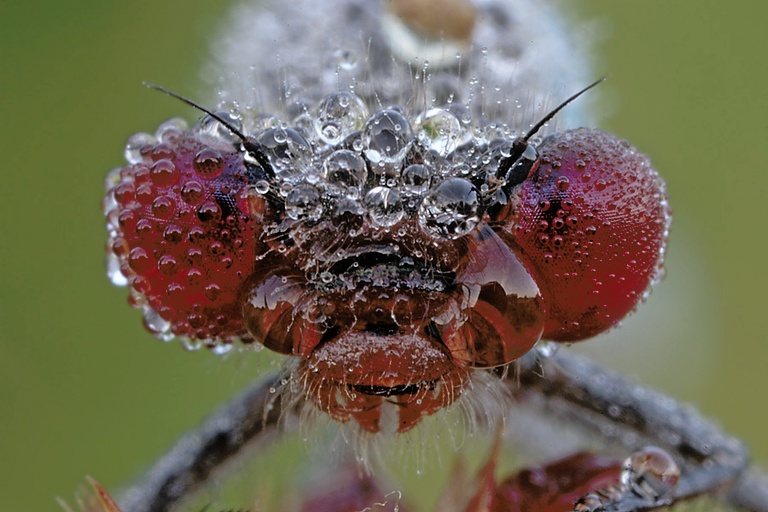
[[392, 247], [391, 252], [379, 197]]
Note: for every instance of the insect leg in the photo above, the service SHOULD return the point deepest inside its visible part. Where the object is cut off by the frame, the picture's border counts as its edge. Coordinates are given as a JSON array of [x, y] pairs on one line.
[[583, 393], [251, 417]]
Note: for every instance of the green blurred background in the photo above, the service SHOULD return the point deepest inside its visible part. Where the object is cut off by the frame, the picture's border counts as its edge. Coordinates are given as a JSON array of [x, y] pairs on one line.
[[85, 390]]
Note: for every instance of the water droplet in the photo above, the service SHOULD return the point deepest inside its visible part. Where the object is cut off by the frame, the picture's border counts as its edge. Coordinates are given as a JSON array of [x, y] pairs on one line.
[[139, 260], [651, 473], [214, 128], [192, 192], [162, 151], [209, 211], [155, 324], [451, 209], [345, 168], [303, 202], [167, 264], [546, 348], [415, 179], [135, 143], [338, 116], [222, 348], [164, 174], [190, 344], [171, 130], [113, 270], [287, 150], [208, 163], [162, 207], [124, 194], [438, 130], [384, 206], [212, 291], [346, 59], [386, 137], [562, 183], [261, 187]]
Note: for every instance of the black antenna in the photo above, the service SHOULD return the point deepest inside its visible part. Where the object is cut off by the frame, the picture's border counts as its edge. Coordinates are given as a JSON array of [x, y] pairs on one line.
[[251, 146], [557, 109], [512, 168]]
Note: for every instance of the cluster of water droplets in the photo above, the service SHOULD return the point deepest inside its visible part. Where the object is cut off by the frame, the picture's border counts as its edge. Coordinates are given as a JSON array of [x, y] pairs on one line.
[[649, 473], [338, 159]]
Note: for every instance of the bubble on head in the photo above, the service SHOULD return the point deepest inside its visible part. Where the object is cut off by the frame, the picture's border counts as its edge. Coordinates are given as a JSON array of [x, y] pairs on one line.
[[288, 152], [384, 206], [386, 138], [451, 209], [303, 203], [170, 131], [415, 179], [438, 130], [338, 116], [344, 168], [216, 129]]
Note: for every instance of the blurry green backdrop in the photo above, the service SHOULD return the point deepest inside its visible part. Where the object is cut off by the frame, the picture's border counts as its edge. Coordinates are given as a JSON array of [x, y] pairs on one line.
[[85, 390]]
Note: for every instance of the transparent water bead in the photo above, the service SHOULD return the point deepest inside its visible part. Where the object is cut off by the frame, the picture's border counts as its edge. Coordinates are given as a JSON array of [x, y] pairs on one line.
[[213, 127], [415, 179], [346, 59], [386, 137], [345, 168], [114, 273], [134, 144], [450, 210], [157, 325], [384, 206], [303, 202], [651, 473], [170, 130], [338, 116], [287, 151], [438, 130]]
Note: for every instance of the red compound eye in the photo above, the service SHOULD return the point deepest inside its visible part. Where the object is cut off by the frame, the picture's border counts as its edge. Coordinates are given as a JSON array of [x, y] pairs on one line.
[[179, 235], [592, 221]]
